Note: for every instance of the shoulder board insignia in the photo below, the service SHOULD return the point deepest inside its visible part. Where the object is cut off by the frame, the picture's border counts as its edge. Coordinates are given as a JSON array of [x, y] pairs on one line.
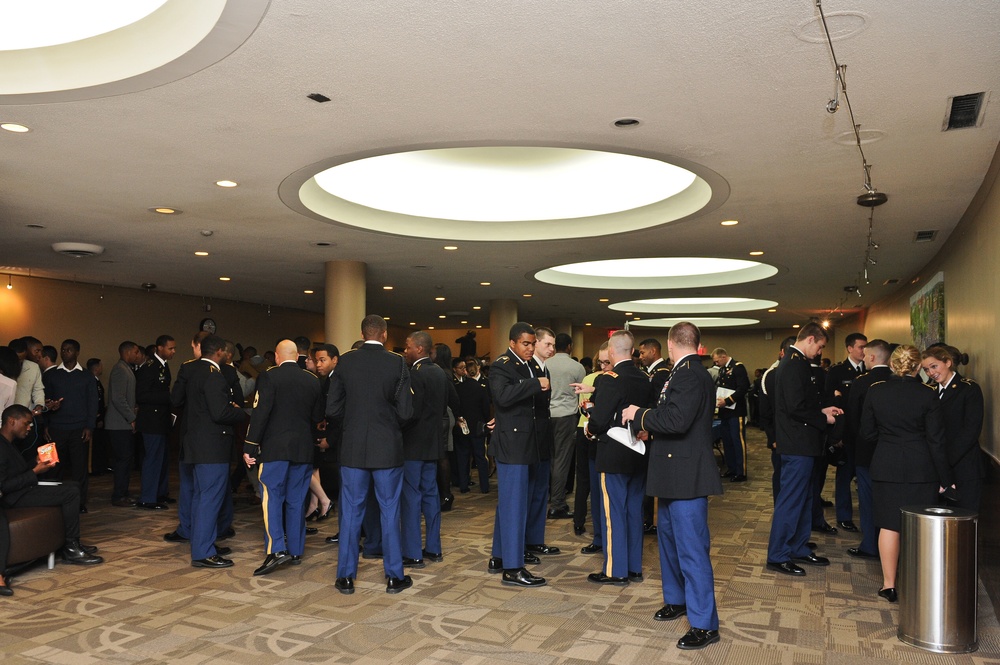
[[686, 363], [395, 354], [503, 359], [613, 375], [881, 382], [212, 368], [661, 369], [188, 361], [272, 367], [737, 363], [969, 381], [414, 368], [927, 385]]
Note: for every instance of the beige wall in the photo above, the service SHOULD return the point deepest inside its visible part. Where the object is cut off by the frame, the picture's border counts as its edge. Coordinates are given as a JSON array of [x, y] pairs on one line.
[[969, 262], [102, 317]]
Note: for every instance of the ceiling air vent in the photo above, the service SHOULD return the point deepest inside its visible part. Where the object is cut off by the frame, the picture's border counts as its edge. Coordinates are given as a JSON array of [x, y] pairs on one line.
[[924, 236], [965, 111], [77, 250], [890, 282]]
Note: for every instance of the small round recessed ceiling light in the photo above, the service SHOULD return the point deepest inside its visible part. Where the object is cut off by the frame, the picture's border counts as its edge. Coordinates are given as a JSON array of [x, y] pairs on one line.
[[675, 272], [384, 317], [730, 222], [795, 325], [704, 322], [163, 210], [756, 252], [430, 327], [628, 313], [439, 298], [308, 292], [226, 183], [484, 283], [463, 322], [772, 311], [603, 300], [387, 288], [225, 279], [477, 307], [626, 122], [479, 326], [413, 323], [441, 316], [587, 324], [14, 127], [201, 253], [526, 295], [692, 305], [450, 248], [208, 233]]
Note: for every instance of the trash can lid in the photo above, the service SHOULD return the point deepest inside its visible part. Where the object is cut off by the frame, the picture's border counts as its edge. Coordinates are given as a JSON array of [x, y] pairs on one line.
[[943, 512]]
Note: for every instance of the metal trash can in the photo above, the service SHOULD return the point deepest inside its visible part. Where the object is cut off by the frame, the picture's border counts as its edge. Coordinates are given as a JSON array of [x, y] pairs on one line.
[[937, 581]]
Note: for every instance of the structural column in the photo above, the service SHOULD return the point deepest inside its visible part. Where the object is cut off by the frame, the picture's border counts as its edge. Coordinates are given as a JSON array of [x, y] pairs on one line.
[[345, 302], [503, 314], [578, 349], [563, 326]]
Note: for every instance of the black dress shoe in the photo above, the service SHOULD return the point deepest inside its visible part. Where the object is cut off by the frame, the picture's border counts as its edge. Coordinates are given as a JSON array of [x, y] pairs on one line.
[[495, 566], [635, 577], [89, 549], [591, 549], [670, 612], [848, 525], [166, 499], [738, 478], [395, 584], [174, 537], [227, 533], [560, 514], [436, 557], [785, 567], [296, 560], [413, 563], [812, 560], [889, 594], [311, 531], [649, 529], [123, 502], [73, 552], [151, 506], [371, 555], [825, 528], [531, 558], [83, 510], [447, 503], [5, 589], [541, 549], [221, 550], [696, 638], [579, 530], [601, 578], [521, 577], [272, 561], [344, 585], [860, 553], [212, 562], [335, 538], [826, 503]]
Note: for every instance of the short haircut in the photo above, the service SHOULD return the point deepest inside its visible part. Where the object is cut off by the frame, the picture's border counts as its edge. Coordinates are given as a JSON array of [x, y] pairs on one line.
[[854, 337], [520, 328], [30, 341], [455, 362], [372, 326], [72, 342], [200, 336], [621, 341], [163, 339], [330, 349], [563, 342], [358, 344], [230, 348], [50, 353], [422, 340], [812, 329], [18, 346], [787, 342], [149, 350], [302, 343], [719, 351], [685, 334], [210, 344], [125, 347], [15, 412], [93, 362], [652, 343], [10, 364], [542, 331], [880, 349]]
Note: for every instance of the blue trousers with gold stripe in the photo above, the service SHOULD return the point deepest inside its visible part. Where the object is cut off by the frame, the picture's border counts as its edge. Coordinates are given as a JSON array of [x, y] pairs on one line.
[[511, 515], [596, 507], [685, 565], [538, 502], [283, 490], [621, 497], [734, 444], [420, 495]]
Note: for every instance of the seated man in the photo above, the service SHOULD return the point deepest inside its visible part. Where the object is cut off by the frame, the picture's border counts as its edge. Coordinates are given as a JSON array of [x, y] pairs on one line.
[[19, 488]]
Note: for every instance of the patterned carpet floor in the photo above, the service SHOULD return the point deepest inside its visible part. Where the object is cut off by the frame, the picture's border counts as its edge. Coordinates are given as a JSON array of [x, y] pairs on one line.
[[146, 604]]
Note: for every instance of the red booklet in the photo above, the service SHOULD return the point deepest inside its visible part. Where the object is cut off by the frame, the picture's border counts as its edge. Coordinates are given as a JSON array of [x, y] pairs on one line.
[[47, 452]]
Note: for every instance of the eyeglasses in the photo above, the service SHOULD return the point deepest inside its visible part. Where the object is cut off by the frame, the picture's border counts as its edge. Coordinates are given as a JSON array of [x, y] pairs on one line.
[[603, 362]]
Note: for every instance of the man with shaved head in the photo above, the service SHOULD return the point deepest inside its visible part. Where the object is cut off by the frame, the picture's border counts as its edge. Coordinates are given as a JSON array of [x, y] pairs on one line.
[[287, 406]]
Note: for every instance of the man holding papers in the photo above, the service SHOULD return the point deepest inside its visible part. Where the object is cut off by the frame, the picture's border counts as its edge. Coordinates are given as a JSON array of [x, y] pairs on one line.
[[682, 473], [731, 399], [621, 469]]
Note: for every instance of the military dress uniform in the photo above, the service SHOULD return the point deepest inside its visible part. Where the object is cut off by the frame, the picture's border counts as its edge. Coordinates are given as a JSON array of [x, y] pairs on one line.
[[622, 473], [962, 406], [839, 380], [732, 414], [863, 451], [153, 421], [539, 473]]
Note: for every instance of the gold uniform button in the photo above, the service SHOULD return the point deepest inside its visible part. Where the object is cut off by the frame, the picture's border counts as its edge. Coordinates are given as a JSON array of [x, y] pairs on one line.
[[669, 455]]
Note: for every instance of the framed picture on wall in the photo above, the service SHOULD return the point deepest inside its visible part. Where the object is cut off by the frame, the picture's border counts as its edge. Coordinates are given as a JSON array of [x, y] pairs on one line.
[[927, 313]]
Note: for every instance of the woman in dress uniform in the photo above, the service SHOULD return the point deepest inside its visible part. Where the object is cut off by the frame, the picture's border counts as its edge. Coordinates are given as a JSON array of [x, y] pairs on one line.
[[962, 407], [910, 465]]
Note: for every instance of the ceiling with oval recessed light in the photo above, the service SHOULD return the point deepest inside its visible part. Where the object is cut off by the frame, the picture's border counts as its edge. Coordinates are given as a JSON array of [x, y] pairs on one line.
[[691, 305]]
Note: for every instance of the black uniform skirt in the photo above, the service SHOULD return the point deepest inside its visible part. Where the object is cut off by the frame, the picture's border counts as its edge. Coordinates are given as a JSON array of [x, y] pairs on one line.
[[888, 498]]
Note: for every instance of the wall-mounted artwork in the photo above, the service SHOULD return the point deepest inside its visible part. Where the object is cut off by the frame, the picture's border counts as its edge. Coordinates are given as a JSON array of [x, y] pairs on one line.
[[927, 313]]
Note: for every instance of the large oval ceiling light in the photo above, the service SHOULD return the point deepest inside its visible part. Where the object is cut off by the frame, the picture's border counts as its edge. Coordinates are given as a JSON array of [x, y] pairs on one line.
[[68, 50], [500, 193], [41, 23], [691, 305], [656, 273], [702, 322]]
